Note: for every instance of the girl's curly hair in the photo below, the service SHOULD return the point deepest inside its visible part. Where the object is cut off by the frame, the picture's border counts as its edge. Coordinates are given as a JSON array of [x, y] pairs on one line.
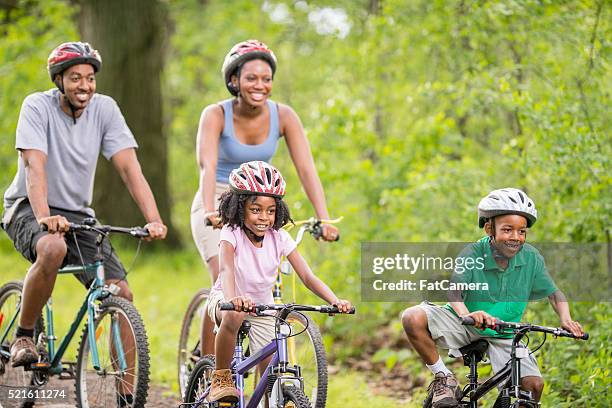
[[231, 210]]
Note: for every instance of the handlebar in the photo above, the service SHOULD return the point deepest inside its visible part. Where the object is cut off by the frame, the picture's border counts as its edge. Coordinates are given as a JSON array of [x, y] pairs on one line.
[[90, 224], [313, 226], [260, 308], [501, 327]]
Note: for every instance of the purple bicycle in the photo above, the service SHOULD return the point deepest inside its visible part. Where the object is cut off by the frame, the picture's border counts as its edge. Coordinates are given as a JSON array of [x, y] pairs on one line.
[[281, 381]]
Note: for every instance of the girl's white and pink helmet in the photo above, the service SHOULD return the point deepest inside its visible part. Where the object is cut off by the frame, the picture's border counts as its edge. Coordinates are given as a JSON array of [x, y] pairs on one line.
[[257, 177]]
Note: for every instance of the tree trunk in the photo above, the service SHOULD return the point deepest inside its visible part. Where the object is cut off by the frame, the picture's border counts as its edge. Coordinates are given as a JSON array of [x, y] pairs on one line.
[[129, 35]]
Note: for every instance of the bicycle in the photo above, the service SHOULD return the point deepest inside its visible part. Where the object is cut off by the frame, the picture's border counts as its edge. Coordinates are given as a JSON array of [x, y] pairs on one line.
[[109, 358], [282, 382], [311, 349], [511, 395]]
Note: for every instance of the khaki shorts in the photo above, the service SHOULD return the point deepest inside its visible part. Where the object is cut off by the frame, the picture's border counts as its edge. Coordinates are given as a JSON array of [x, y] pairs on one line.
[[448, 333], [205, 237], [262, 327]]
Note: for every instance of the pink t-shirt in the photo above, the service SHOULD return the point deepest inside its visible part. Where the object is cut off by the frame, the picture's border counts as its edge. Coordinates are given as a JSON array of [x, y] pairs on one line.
[[255, 268]]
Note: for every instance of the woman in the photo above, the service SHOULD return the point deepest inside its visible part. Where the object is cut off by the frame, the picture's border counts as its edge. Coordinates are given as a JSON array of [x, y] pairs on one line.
[[246, 128]]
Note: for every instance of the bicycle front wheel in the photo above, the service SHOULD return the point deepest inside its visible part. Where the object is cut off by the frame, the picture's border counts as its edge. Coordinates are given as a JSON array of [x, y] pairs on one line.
[[189, 341], [199, 380], [15, 378], [122, 379], [308, 352], [293, 397]]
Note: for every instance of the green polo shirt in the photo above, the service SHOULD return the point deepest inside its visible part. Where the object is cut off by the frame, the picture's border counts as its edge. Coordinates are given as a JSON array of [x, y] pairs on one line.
[[525, 279]]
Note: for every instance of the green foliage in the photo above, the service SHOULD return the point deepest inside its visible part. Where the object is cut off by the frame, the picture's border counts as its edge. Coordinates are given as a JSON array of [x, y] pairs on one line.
[[416, 112], [29, 33]]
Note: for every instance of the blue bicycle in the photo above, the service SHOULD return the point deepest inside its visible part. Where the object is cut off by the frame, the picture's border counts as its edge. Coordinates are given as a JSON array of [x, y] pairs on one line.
[[112, 367], [281, 381]]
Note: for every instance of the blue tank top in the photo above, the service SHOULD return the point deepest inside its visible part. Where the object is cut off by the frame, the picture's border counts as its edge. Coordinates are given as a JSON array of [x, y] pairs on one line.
[[232, 152]]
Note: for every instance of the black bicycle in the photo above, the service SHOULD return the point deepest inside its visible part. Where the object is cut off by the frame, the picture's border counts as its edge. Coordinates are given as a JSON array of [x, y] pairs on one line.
[[511, 395]]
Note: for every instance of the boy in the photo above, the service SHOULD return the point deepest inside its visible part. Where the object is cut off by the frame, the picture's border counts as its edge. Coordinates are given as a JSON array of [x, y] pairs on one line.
[[515, 273]]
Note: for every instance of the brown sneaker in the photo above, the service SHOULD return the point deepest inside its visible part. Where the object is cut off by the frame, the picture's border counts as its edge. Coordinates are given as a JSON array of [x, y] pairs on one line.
[[23, 352], [444, 390], [222, 388]]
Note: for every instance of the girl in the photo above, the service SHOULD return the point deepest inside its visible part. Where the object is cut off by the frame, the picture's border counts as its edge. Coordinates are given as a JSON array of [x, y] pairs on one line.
[[250, 251]]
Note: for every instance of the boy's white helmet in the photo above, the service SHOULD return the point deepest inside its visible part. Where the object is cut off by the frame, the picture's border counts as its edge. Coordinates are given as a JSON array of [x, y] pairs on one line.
[[506, 201]]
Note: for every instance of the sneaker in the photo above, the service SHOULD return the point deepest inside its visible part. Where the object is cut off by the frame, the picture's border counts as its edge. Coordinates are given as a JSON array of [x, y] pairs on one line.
[[222, 388], [23, 352], [444, 391]]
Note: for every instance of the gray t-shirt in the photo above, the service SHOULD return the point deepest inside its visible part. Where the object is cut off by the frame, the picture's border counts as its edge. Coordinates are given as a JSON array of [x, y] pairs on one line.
[[72, 149]]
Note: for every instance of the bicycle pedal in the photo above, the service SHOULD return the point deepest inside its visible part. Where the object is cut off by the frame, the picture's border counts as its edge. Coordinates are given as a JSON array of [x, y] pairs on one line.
[[221, 404], [68, 371], [41, 365]]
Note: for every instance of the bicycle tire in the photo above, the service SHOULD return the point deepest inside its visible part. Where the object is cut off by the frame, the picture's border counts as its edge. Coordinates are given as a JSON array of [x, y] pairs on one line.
[[15, 377], [310, 356], [89, 380], [199, 379], [293, 397], [188, 348]]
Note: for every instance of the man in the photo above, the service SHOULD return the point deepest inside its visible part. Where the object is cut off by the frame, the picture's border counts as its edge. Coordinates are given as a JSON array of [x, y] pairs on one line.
[[60, 134]]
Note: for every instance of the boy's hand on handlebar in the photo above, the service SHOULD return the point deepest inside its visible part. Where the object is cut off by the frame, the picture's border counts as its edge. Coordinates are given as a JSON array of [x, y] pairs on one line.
[[157, 230], [344, 306], [482, 320], [573, 327], [55, 223], [330, 232]]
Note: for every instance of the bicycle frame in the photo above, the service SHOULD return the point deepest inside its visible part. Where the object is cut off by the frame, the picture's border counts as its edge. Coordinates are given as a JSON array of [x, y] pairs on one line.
[[277, 348], [512, 369], [97, 291]]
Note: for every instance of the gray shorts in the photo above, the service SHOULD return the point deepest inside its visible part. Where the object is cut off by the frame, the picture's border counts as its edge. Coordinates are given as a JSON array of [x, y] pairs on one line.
[[448, 333], [262, 327], [24, 231]]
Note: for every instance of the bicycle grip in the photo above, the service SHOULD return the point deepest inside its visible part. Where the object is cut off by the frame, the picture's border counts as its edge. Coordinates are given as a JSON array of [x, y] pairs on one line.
[[585, 336], [139, 232], [226, 306], [335, 310], [45, 227], [467, 321]]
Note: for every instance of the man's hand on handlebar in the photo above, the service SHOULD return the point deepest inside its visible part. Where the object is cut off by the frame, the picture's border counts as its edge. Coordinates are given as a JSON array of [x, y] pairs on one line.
[[157, 230], [55, 223]]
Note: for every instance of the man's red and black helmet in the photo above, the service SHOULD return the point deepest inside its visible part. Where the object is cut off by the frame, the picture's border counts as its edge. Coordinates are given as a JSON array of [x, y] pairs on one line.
[[72, 53], [242, 52]]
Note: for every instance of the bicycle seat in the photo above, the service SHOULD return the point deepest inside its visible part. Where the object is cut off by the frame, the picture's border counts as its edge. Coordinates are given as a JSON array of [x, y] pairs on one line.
[[476, 349]]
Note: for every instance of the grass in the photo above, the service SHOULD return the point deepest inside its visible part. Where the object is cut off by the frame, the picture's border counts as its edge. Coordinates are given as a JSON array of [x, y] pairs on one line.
[[163, 284]]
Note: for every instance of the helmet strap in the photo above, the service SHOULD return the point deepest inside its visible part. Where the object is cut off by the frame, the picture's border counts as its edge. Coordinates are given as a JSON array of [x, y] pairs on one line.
[[252, 235], [60, 86]]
